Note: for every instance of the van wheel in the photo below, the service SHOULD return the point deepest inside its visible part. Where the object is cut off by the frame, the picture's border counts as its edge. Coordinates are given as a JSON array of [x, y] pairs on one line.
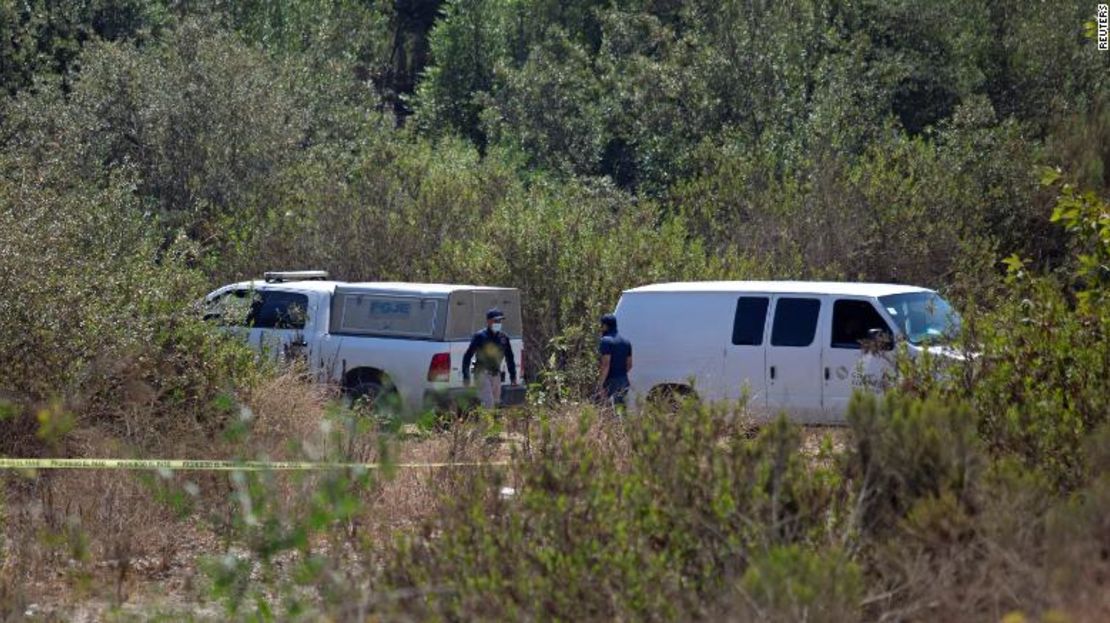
[[669, 397]]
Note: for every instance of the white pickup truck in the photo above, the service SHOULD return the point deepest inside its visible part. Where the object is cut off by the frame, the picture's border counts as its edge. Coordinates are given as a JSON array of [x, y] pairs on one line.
[[397, 343]]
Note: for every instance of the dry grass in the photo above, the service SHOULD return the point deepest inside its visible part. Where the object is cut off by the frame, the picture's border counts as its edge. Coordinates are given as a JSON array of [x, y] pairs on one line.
[[74, 538], [78, 543]]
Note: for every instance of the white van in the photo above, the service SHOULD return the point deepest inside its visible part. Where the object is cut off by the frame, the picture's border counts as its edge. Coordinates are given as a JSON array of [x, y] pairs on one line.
[[404, 341], [790, 346]]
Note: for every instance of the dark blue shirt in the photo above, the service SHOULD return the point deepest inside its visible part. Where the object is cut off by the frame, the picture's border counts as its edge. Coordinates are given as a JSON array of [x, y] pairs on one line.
[[619, 351], [489, 349]]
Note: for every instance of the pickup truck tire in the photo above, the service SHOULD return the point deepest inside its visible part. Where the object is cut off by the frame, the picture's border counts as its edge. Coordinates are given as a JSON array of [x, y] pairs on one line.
[[373, 396]]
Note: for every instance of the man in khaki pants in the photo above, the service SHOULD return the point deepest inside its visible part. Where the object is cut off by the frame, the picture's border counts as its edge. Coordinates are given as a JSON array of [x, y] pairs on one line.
[[489, 347]]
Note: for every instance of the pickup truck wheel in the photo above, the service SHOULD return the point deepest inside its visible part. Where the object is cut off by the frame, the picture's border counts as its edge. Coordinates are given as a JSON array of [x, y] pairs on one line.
[[373, 397], [365, 395]]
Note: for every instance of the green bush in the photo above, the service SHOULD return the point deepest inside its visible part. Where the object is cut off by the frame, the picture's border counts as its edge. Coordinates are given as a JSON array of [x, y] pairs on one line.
[[1039, 386], [790, 583], [99, 315], [572, 249], [656, 525], [1037, 376], [904, 450]]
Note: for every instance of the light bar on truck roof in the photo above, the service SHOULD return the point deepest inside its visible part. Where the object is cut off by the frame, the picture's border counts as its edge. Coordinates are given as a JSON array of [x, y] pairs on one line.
[[279, 276]]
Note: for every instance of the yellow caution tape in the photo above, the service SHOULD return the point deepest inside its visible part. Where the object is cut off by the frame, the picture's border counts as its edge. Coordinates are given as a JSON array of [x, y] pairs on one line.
[[250, 466]]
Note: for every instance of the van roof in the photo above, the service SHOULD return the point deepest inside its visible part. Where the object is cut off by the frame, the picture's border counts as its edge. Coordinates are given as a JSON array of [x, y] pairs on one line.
[[387, 286], [782, 287]]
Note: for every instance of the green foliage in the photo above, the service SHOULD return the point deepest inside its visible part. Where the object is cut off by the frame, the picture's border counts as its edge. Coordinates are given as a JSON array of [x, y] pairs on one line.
[[789, 583], [1037, 375], [1087, 218], [569, 135], [906, 210], [201, 119], [575, 149], [43, 37], [336, 28], [653, 529], [464, 45], [99, 318], [572, 250], [904, 451]]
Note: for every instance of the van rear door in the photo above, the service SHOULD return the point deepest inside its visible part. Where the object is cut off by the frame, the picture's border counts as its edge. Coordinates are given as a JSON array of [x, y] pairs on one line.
[[794, 356]]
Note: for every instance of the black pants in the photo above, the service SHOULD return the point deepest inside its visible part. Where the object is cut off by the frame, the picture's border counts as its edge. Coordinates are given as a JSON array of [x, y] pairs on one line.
[[616, 389]]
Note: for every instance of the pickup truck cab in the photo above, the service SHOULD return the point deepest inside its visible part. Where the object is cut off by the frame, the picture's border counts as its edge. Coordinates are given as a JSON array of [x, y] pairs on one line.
[[402, 342], [781, 346]]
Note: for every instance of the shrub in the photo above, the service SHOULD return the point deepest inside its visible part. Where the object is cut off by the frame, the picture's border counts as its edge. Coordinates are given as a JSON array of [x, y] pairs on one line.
[[1039, 376], [789, 583], [655, 524], [904, 450], [97, 314], [572, 249]]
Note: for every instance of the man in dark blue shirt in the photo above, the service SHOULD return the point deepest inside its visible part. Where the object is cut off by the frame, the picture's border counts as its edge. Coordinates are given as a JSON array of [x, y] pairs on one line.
[[491, 347], [616, 361]]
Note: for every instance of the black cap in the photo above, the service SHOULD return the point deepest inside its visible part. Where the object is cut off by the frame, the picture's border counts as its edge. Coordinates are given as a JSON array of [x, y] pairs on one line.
[[610, 321], [494, 314]]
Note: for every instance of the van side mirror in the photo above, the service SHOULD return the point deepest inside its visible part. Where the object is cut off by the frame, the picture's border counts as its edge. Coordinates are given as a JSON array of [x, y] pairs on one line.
[[881, 339]]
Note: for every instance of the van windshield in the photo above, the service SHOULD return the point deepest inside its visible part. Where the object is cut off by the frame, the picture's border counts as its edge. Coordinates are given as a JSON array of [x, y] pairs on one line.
[[923, 317]]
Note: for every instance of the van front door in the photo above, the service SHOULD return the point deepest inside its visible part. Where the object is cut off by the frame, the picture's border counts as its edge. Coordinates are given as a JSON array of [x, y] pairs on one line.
[[847, 364], [794, 358], [745, 356]]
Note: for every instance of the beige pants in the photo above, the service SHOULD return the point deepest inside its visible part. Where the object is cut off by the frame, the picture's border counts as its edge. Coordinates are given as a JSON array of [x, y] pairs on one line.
[[489, 388]]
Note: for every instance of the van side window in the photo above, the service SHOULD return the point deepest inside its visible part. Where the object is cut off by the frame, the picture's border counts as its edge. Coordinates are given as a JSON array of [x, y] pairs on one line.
[[795, 322], [751, 318], [852, 322], [274, 309]]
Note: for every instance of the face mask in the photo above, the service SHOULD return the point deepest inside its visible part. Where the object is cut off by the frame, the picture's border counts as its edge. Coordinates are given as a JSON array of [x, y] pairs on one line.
[[497, 327]]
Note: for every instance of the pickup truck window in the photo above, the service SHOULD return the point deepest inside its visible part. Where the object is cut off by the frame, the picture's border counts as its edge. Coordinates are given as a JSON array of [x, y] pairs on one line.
[[229, 309], [275, 309], [404, 316]]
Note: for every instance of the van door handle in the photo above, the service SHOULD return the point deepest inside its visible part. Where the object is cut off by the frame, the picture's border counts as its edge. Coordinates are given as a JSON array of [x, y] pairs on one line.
[[826, 374], [772, 373]]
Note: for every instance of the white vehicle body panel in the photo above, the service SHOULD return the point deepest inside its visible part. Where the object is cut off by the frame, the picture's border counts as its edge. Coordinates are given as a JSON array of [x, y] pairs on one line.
[[793, 376], [332, 354], [682, 333]]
